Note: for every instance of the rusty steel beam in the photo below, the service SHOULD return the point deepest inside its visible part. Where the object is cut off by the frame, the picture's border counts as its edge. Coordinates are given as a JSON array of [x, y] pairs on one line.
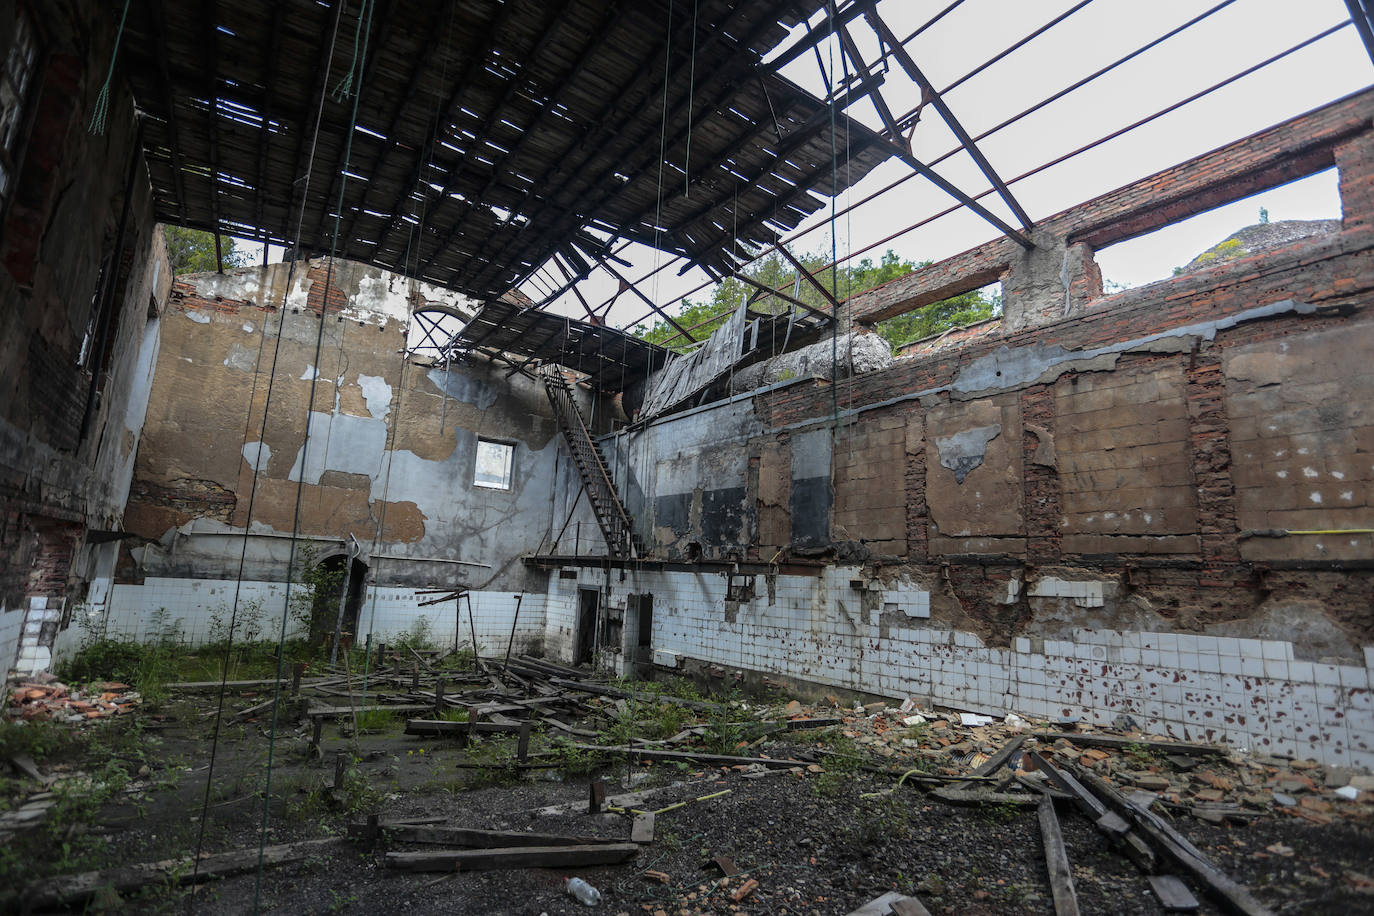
[[908, 63]]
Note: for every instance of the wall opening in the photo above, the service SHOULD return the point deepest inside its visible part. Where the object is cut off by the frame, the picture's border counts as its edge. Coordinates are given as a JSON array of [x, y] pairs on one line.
[[1270, 219], [939, 318], [495, 462], [588, 603]]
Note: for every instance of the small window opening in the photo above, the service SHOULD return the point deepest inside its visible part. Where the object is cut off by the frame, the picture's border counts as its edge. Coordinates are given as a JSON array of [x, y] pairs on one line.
[[494, 463], [16, 82], [961, 311], [1270, 219]]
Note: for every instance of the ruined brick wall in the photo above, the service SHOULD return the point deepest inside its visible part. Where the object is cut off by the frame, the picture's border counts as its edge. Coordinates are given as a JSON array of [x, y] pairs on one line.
[[1150, 440], [390, 452], [69, 284]]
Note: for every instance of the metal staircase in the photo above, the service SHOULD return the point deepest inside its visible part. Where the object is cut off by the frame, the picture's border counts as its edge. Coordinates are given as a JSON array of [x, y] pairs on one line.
[[591, 464]]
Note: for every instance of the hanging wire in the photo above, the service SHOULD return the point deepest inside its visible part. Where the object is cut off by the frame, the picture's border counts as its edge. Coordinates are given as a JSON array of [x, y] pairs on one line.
[[300, 487], [834, 245], [102, 99], [691, 91], [345, 86], [413, 245], [252, 493], [662, 144]]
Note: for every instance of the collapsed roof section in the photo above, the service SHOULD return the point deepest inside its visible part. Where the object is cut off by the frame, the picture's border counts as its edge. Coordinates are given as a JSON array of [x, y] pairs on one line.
[[489, 135], [610, 358]]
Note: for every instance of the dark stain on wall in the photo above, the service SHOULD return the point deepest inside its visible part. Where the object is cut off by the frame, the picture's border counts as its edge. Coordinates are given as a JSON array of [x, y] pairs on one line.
[[722, 512], [674, 512], [810, 505]]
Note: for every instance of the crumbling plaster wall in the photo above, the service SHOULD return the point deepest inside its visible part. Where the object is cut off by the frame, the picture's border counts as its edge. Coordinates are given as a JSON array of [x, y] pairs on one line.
[[1074, 505], [391, 449], [68, 440]]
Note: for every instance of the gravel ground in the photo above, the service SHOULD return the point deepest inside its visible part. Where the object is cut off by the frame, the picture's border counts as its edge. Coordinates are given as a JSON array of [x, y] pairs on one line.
[[813, 842]]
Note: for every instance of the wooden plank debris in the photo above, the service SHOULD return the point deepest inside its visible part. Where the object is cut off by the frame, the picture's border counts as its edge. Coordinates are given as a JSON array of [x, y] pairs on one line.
[[996, 761], [514, 857], [642, 829], [66, 890], [1118, 743], [330, 712], [641, 753], [1173, 894], [1232, 896], [1107, 822], [483, 839], [1057, 861]]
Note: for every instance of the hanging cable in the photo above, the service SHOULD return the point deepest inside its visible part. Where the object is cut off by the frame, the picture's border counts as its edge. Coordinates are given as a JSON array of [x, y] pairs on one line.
[[300, 483], [257, 469], [102, 99], [834, 244], [691, 91]]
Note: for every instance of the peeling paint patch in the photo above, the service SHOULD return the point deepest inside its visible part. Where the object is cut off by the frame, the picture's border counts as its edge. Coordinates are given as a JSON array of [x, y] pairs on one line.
[[463, 387], [241, 358], [257, 454], [198, 317], [377, 393], [310, 373], [964, 451]]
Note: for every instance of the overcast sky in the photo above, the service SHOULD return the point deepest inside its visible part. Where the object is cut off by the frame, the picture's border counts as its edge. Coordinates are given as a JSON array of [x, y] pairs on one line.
[[1227, 42]]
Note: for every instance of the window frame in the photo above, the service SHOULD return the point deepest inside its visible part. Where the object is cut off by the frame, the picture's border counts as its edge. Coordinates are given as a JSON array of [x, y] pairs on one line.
[[12, 154], [510, 447]]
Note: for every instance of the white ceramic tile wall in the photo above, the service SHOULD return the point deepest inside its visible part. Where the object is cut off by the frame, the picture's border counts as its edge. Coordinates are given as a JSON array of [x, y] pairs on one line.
[[11, 625], [1251, 693], [187, 605]]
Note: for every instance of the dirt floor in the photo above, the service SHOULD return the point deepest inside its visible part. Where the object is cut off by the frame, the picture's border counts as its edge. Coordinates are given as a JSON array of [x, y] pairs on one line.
[[823, 839]]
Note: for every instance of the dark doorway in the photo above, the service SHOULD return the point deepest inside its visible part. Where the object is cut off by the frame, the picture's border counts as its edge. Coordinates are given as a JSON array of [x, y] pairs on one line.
[[353, 601], [640, 617], [339, 586], [588, 603]]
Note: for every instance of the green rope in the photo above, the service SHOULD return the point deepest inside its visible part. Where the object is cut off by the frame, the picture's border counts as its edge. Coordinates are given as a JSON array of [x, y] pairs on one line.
[[102, 100], [364, 21], [345, 87]]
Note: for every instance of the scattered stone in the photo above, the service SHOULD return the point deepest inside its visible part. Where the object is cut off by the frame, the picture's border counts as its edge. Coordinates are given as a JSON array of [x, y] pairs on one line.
[[1286, 801], [1150, 781], [793, 708]]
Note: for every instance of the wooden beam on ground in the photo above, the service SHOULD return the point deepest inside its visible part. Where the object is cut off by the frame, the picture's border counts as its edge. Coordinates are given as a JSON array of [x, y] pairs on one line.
[[1108, 823], [70, 889], [1231, 896], [997, 760], [516, 857], [1173, 894], [483, 839], [460, 729], [1121, 744], [333, 711], [972, 797], [642, 753], [1057, 860]]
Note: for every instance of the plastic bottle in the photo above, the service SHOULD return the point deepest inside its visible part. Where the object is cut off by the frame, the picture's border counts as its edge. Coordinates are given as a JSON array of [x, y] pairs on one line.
[[582, 891]]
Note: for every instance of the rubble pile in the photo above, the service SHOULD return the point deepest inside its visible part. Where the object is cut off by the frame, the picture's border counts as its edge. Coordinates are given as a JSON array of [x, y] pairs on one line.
[[41, 699], [1214, 783]]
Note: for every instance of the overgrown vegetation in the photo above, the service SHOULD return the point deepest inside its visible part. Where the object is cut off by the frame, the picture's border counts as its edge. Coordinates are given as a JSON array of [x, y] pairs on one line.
[[147, 666], [850, 280], [193, 251]]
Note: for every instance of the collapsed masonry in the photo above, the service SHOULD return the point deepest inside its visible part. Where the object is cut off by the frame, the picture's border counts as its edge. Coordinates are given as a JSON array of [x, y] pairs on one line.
[[1153, 504]]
